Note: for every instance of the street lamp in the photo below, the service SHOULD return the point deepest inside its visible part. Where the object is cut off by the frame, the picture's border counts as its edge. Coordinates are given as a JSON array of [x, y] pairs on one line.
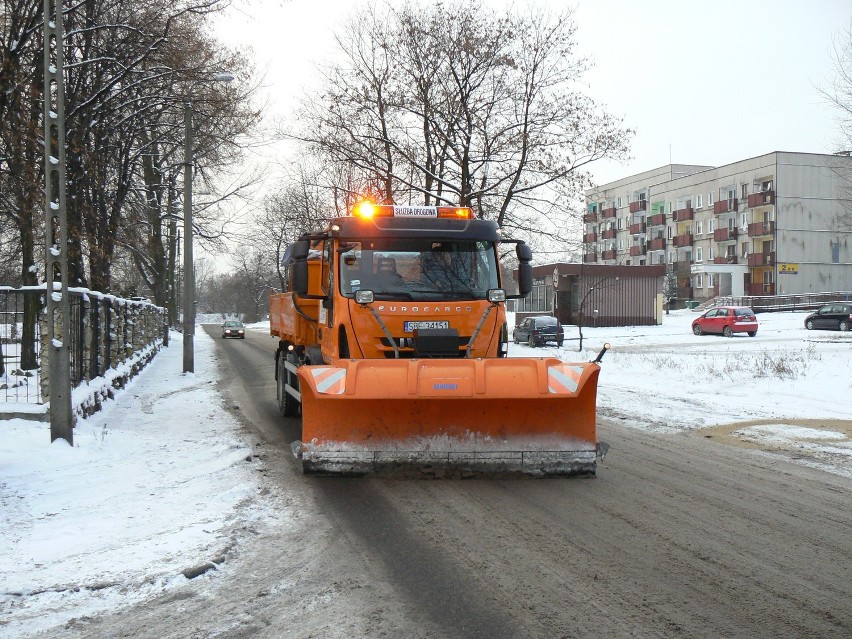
[[188, 270]]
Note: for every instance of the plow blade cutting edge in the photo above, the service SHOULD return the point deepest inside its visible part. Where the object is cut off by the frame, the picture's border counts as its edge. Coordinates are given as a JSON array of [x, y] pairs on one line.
[[534, 416]]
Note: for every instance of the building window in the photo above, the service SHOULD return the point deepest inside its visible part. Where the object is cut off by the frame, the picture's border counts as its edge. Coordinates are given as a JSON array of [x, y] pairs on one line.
[[619, 223], [540, 300], [710, 198], [699, 255], [699, 280], [620, 244], [698, 200], [745, 249], [671, 257], [744, 221], [699, 230], [669, 231], [745, 191], [618, 202], [711, 223], [710, 253]]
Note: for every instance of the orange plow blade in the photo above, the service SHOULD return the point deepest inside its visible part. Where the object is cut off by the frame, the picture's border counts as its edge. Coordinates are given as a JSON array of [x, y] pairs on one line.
[[445, 416]]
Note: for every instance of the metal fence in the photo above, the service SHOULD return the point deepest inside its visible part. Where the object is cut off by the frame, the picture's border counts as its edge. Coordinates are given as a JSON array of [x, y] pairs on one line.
[[20, 336], [798, 302], [105, 331]]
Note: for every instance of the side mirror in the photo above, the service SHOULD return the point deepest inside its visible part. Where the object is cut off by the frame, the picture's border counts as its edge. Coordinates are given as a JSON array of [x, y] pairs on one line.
[[525, 274], [297, 256], [299, 278]]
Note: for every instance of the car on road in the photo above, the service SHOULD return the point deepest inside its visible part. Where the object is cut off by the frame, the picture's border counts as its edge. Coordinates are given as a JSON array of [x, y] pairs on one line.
[[233, 328], [726, 320], [836, 316], [538, 330]]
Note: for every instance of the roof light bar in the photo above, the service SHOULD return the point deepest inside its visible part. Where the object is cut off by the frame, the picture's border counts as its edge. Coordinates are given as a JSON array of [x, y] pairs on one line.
[[368, 210]]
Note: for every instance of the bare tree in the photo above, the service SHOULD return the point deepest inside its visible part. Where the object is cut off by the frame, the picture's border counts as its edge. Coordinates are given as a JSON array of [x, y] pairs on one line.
[[838, 93], [455, 104], [309, 196], [21, 155]]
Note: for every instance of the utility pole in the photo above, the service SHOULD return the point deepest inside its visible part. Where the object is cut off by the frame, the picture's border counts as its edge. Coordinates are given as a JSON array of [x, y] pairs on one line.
[[188, 266], [56, 228]]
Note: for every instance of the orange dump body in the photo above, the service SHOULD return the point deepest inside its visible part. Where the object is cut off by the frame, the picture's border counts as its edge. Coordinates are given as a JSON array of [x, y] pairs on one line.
[[533, 415]]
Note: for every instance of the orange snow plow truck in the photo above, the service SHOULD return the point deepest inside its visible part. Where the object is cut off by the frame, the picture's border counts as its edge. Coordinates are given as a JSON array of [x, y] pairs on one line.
[[393, 346]]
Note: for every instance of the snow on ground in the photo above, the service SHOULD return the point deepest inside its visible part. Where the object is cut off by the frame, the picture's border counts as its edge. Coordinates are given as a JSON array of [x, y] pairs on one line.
[[149, 490], [156, 482]]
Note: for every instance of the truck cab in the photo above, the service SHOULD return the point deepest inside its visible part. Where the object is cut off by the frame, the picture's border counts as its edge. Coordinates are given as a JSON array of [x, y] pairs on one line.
[[407, 282]]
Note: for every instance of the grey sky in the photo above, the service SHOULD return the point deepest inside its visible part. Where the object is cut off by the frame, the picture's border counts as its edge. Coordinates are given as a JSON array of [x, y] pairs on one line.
[[709, 82]]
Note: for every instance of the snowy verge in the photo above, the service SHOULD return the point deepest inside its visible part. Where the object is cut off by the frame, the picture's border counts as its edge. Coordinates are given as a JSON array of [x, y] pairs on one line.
[[154, 487]]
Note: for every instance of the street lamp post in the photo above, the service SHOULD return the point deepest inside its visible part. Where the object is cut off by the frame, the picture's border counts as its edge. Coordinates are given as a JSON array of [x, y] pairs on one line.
[[188, 269]]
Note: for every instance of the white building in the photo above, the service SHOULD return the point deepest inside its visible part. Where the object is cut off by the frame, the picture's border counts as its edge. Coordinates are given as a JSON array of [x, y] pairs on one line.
[[780, 223]]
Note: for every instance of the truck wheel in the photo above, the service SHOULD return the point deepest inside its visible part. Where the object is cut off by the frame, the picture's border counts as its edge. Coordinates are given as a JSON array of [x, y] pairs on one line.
[[287, 404]]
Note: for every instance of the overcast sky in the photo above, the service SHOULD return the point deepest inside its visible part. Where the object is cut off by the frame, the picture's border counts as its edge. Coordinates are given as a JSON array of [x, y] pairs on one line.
[[701, 82]]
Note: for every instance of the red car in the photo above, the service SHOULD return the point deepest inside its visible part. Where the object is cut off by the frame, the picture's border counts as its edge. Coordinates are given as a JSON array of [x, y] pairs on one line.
[[726, 320]]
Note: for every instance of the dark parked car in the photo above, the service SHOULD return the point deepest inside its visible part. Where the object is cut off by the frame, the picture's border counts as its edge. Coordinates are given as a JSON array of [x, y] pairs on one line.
[[837, 316], [537, 331], [232, 328], [726, 320]]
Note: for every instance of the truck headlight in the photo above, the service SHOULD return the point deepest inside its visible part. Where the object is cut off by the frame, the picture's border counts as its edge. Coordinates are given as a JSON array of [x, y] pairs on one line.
[[364, 297]]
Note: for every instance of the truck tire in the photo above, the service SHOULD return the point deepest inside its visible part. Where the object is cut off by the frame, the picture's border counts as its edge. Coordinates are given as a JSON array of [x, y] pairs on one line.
[[287, 404]]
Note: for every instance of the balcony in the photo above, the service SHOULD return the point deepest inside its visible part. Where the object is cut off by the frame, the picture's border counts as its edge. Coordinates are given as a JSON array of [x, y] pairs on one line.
[[761, 259], [657, 220], [761, 199], [759, 288], [608, 213], [588, 218], [638, 228], [726, 259], [723, 206], [609, 234], [725, 234], [637, 249], [588, 238], [682, 215], [761, 228], [679, 241], [657, 244], [638, 205], [590, 257], [607, 255], [682, 266]]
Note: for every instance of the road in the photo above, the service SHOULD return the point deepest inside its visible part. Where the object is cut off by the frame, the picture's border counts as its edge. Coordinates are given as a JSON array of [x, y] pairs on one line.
[[677, 536]]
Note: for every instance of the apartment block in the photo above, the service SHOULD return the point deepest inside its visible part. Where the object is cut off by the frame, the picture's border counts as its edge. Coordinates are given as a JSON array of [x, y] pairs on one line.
[[779, 223]]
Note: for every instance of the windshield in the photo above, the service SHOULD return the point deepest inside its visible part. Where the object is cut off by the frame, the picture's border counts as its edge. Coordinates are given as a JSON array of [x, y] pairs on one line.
[[409, 269]]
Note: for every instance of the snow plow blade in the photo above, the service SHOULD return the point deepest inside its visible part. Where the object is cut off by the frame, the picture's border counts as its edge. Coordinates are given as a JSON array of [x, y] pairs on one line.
[[534, 416]]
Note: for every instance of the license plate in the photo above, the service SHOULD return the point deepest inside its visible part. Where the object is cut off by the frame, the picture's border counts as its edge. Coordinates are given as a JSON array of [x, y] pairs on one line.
[[409, 327]]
